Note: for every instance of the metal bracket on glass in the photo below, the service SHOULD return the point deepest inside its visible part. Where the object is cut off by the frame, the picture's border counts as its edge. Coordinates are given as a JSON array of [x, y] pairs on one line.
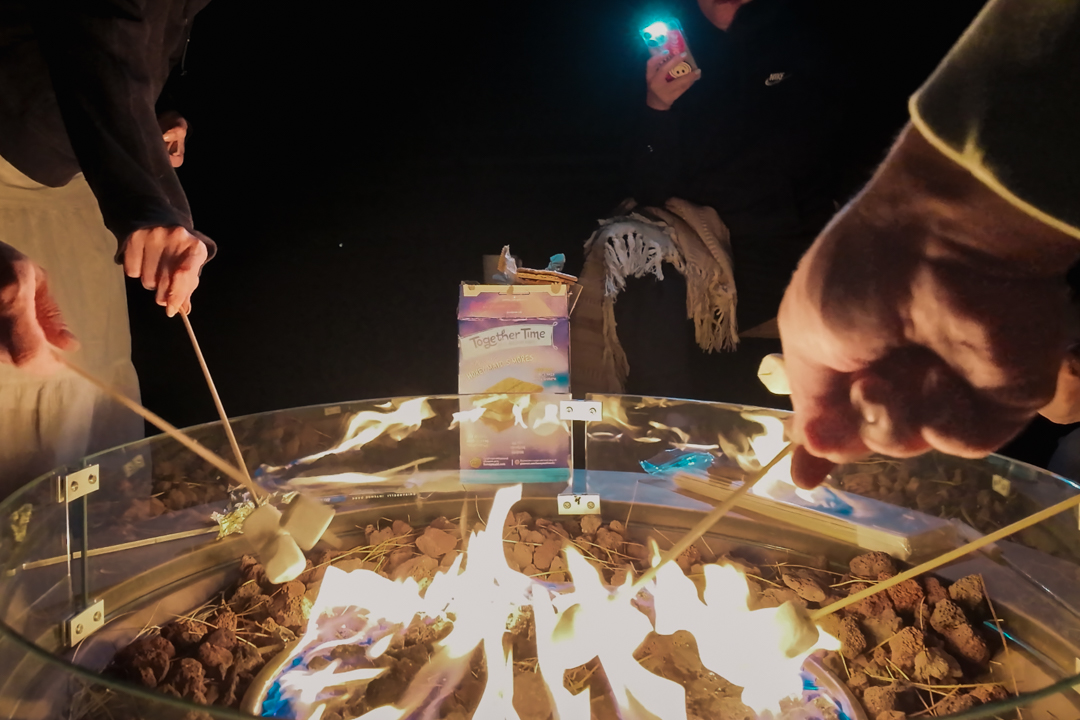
[[85, 623], [80, 483], [575, 504], [586, 410]]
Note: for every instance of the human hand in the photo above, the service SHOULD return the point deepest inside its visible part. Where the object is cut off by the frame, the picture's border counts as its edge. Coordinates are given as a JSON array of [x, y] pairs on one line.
[[168, 260], [928, 314], [174, 131], [663, 88], [30, 321]]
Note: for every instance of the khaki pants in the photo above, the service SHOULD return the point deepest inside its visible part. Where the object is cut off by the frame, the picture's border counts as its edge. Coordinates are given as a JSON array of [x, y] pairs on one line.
[[48, 422]]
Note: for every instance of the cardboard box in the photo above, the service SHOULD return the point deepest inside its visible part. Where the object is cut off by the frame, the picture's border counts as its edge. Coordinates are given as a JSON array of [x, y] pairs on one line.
[[514, 367], [512, 438], [513, 339]]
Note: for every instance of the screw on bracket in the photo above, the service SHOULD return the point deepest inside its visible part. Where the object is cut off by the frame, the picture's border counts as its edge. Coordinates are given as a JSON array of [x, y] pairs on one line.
[[79, 483], [85, 623]]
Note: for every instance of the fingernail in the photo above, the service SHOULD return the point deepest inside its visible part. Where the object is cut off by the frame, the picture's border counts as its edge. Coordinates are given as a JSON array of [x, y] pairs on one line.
[[665, 52], [682, 54]]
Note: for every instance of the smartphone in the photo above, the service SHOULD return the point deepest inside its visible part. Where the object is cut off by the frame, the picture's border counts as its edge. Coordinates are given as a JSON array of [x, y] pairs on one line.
[[668, 35]]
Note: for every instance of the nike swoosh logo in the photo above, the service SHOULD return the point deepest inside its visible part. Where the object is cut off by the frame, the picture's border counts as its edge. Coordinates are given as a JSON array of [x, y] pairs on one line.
[[775, 79]]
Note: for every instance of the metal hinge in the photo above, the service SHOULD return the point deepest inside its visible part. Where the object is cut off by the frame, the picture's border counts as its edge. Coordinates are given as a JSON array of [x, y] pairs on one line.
[[77, 484], [86, 623], [575, 504], [588, 410]]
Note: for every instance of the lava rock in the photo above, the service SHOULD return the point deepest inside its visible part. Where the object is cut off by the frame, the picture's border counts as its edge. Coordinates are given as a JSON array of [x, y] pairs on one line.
[[935, 590], [188, 677], [396, 558], [967, 592], [990, 693], [251, 570], [546, 553], [906, 596], [805, 584], [956, 703], [871, 565], [288, 611], [859, 681], [885, 699], [609, 540], [852, 639], [435, 543], [246, 659], [184, 633], [905, 646], [935, 666], [881, 627], [151, 667], [947, 616], [420, 568], [872, 606], [590, 524], [522, 554], [225, 619], [217, 660], [378, 537], [222, 638], [967, 645], [148, 644], [293, 588]]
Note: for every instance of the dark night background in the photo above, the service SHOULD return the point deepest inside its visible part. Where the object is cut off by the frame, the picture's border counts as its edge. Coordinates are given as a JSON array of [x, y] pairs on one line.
[[353, 161]]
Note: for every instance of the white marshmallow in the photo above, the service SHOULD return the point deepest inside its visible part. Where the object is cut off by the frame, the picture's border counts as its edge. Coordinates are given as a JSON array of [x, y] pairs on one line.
[[306, 519], [799, 633], [773, 374], [282, 559]]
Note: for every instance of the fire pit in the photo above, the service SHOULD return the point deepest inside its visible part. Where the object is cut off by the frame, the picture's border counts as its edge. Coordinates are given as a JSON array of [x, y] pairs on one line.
[[88, 572]]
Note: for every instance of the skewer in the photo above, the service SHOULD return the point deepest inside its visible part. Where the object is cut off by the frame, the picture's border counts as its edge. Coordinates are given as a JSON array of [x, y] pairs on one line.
[[166, 427], [217, 398], [709, 520], [949, 556]]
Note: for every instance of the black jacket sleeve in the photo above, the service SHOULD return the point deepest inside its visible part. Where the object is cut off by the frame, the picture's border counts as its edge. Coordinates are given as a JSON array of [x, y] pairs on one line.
[[108, 65], [655, 158]]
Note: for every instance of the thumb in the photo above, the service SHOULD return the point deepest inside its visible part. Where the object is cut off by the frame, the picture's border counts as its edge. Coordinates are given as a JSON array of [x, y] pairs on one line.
[[49, 317]]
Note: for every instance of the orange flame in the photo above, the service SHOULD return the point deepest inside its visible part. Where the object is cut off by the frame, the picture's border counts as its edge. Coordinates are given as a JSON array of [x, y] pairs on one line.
[[483, 597]]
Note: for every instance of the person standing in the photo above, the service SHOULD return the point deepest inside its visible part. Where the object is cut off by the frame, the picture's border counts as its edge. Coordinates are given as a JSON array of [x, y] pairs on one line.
[[87, 182], [744, 150]]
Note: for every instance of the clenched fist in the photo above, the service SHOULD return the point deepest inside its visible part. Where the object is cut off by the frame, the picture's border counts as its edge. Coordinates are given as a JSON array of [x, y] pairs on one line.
[[930, 314]]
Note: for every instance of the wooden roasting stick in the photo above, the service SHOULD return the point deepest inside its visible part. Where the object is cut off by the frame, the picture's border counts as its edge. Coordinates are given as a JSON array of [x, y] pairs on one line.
[[166, 427], [948, 557], [217, 398], [709, 520]]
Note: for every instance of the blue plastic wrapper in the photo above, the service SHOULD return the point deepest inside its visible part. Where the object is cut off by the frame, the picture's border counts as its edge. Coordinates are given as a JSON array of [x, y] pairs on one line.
[[557, 263], [673, 459]]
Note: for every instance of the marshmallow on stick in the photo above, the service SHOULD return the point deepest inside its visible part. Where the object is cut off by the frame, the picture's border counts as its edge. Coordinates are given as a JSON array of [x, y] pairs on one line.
[[279, 550]]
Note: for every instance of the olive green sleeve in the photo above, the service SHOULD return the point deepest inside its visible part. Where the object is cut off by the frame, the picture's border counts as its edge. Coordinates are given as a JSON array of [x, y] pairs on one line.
[[1005, 104]]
